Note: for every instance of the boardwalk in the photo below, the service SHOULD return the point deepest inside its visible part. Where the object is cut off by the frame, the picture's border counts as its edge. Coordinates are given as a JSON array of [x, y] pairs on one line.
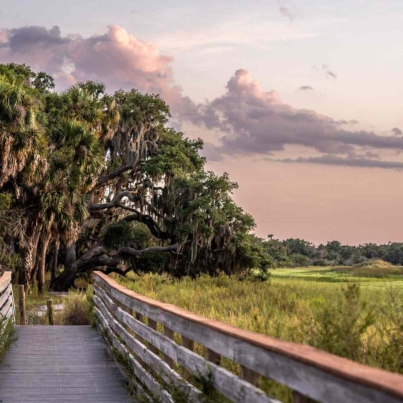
[[60, 364]]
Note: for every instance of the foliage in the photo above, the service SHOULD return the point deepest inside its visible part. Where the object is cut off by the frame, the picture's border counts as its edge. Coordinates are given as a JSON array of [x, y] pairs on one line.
[[361, 322], [102, 177], [77, 310], [7, 335]]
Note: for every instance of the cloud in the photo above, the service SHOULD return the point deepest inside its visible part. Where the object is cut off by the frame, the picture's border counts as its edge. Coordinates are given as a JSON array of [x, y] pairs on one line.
[[396, 131], [116, 58], [252, 121], [350, 162], [255, 34], [256, 122], [305, 88]]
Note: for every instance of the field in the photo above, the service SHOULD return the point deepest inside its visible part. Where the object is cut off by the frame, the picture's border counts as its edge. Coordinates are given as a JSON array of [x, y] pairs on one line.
[[346, 312]]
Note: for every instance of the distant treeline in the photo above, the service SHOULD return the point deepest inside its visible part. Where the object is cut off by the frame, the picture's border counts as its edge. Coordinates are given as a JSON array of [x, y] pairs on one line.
[[296, 252]]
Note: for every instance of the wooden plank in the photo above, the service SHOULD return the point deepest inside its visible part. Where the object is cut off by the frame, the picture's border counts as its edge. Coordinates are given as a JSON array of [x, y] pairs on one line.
[[153, 325], [5, 295], [5, 311], [297, 398], [140, 317], [169, 333], [152, 385], [311, 372], [152, 360], [5, 280], [188, 343], [21, 304], [60, 364], [212, 356], [113, 345], [224, 381], [249, 376]]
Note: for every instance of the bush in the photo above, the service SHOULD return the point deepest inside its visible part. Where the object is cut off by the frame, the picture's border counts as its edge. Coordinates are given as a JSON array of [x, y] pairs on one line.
[[78, 310], [7, 335], [300, 260]]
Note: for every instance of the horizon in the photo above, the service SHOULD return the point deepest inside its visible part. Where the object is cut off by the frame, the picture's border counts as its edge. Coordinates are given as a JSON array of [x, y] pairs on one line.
[[302, 109]]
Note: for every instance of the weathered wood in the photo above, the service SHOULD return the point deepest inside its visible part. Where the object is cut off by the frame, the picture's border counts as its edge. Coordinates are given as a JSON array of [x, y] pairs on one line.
[[5, 295], [212, 356], [21, 305], [311, 372], [249, 376], [140, 372], [153, 325], [149, 358], [169, 333], [140, 317], [60, 364], [224, 381], [50, 312], [7, 309], [298, 398], [5, 280], [188, 343]]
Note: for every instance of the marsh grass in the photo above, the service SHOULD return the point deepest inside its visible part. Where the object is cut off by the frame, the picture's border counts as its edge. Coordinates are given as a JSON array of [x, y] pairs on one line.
[[359, 319]]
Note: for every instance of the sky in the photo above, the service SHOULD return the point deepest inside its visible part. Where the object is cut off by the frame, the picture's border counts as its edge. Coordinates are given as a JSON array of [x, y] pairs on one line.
[[298, 100]]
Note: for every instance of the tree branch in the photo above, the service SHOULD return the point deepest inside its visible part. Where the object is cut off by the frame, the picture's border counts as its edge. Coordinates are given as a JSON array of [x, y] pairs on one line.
[[105, 178], [116, 202], [151, 224], [135, 252]]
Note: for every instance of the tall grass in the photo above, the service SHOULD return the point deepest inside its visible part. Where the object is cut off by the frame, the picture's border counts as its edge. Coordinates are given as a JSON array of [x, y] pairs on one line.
[[7, 335], [78, 309], [360, 323]]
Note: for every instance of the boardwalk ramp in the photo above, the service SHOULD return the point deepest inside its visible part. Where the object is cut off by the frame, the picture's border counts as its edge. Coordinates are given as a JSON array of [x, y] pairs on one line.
[[60, 364]]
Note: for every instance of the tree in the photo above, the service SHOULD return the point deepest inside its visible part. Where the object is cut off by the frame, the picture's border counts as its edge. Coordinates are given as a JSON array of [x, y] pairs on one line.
[[82, 165]]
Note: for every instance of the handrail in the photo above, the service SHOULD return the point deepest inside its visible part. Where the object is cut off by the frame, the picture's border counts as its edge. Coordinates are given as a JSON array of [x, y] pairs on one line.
[[7, 305], [309, 372]]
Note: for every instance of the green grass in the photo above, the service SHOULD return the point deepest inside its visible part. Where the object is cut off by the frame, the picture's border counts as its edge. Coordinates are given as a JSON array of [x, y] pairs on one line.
[[366, 276], [7, 336], [354, 316]]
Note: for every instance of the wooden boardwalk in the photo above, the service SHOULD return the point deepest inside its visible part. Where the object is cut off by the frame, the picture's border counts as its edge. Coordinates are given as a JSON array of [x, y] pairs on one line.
[[60, 364]]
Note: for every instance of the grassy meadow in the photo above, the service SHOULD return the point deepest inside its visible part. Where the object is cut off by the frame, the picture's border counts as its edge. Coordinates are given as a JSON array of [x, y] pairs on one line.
[[354, 312]]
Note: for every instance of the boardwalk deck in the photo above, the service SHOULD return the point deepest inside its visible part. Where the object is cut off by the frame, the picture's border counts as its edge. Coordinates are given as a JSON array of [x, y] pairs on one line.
[[60, 364]]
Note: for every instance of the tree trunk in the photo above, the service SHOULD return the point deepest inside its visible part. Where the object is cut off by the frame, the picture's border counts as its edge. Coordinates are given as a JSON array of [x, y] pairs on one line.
[[66, 280], [30, 255], [70, 256], [42, 264], [55, 260]]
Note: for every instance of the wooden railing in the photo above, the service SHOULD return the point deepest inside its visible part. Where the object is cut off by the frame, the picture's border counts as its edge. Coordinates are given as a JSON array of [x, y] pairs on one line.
[[158, 341], [7, 307]]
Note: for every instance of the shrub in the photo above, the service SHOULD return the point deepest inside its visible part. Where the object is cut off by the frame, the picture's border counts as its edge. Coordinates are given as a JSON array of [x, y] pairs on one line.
[[77, 310], [300, 260], [7, 335], [340, 328]]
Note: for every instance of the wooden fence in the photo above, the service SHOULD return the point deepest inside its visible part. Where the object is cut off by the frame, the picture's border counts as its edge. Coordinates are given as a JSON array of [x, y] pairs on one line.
[[7, 306], [162, 344]]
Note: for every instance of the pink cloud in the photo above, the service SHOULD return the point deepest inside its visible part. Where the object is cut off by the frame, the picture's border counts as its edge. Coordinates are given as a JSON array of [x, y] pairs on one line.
[[254, 121]]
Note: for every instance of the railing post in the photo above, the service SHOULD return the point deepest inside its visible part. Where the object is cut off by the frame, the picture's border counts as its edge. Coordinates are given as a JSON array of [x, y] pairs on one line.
[[189, 344], [213, 357], [13, 302], [23, 312], [249, 376], [153, 325], [50, 312], [298, 398], [169, 333]]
